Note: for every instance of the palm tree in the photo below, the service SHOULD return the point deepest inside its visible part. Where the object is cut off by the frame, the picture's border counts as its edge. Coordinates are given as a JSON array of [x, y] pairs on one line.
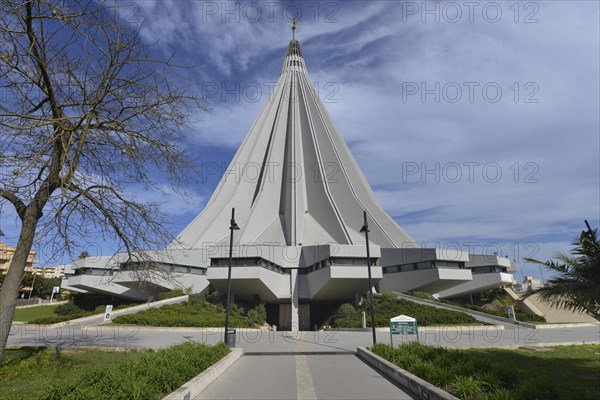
[[577, 283]]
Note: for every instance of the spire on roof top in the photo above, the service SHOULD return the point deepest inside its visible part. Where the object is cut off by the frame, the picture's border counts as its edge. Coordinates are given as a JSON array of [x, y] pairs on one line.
[[294, 47], [293, 201]]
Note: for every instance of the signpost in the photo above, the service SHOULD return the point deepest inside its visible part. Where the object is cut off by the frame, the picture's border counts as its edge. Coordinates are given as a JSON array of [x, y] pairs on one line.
[[403, 325], [108, 312], [55, 289], [511, 313]]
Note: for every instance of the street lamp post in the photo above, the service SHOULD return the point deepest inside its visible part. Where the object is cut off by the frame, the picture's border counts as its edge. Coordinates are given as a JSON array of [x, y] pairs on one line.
[[233, 227], [365, 229]]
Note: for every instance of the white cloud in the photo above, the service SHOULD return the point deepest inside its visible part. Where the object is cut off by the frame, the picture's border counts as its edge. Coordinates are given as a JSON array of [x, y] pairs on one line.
[[554, 141]]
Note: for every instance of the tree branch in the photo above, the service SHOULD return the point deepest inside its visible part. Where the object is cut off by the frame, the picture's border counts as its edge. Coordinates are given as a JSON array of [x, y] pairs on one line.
[[20, 207]]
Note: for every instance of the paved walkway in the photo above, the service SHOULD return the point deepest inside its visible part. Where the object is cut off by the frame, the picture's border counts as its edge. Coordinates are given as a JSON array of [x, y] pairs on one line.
[[302, 376], [295, 368], [263, 341]]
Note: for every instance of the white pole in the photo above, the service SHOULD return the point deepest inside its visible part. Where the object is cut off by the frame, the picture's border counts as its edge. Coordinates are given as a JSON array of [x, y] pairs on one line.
[[364, 320], [32, 283]]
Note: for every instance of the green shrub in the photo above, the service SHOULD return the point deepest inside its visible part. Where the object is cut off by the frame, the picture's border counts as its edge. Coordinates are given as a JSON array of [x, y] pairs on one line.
[[488, 379], [68, 309], [53, 320], [196, 297], [171, 294], [149, 377], [257, 315], [421, 295], [440, 377], [467, 387], [346, 323], [500, 394], [347, 311]]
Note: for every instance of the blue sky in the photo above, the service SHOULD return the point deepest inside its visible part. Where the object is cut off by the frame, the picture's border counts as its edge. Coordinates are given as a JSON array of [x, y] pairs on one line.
[[476, 124]]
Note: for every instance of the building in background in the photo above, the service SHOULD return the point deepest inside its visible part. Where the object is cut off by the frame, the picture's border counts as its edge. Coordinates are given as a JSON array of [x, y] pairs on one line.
[[529, 283], [51, 272], [6, 256]]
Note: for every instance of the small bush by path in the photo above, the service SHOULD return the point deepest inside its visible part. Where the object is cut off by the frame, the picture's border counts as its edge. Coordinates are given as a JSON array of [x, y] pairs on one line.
[[569, 372]]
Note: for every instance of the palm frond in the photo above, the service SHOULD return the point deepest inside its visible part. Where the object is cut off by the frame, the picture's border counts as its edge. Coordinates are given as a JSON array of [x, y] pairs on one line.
[[576, 286]]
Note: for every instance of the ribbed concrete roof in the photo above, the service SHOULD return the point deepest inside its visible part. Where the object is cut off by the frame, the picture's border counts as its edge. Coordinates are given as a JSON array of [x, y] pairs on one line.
[[293, 180]]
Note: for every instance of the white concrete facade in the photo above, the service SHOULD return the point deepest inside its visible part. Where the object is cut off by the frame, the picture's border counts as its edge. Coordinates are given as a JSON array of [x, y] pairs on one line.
[[299, 204], [489, 272]]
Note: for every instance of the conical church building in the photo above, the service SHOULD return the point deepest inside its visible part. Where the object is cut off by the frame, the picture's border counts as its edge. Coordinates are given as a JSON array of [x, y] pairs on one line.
[[299, 198]]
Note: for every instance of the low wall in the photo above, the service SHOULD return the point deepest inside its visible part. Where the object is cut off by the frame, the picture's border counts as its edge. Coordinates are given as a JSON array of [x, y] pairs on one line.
[[526, 303], [44, 303]]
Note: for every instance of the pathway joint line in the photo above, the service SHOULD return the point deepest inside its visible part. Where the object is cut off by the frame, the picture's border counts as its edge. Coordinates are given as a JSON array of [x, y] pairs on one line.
[[305, 388]]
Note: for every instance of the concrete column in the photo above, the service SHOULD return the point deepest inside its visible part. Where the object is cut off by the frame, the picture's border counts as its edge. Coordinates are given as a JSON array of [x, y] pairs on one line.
[[295, 323]]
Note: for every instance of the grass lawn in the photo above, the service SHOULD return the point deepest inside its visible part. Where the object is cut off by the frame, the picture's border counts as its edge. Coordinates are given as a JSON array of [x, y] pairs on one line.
[[31, 313], [568, 367], [97, 374], [565, 372]]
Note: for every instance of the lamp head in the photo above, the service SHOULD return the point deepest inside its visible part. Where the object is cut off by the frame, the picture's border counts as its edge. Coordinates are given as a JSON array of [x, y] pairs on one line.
[[365, 227], [233, 225]]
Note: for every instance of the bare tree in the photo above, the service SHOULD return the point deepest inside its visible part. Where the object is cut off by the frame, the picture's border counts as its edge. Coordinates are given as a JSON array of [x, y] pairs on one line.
[[85, 115]]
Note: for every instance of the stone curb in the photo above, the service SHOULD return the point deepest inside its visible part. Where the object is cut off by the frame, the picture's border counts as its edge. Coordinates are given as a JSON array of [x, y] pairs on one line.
[[569, 325], [193, 387], [524, 345], [72, 349], [401, 377], [198, 329], [429, 328], [54, 303]]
